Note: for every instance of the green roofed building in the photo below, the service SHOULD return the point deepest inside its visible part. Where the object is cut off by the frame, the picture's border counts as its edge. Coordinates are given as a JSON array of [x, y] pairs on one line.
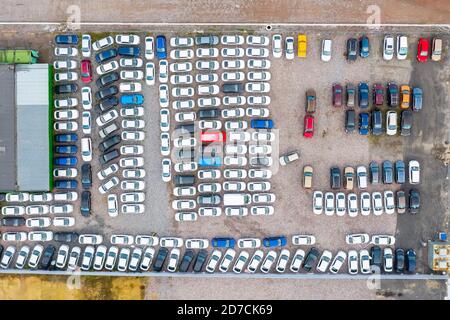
[[26, 127]]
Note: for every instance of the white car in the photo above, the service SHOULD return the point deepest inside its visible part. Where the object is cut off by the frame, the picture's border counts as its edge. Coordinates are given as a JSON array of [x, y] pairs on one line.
[[338, 262], [207, 65], [131, 75], [14, 236], [99, 257], [236, 211], [130, 149], [66, 126], [107, 67], [181, 42], [132, 185], [182, 54], [185, 116], [234, 100], [259, 64], [40, 236], [289, 48], [388, 260], [86, 122], [402, 47], [238, 136], [86, 98], [103, 43], [45, 196], [66, 196], [184, 191], [210, 187], [383, 240], [206, 78], [66, 51], [263, 198], [213, 261], [66, 76], [147, 258], [133, 208], [324, 261], [66, 103], [68, 114], [133, 135], [208, 102], [128, 39], [182, 92], [207, 89], [361, 174], [122, 239], [258, 100], [61, 256], [236, 64], [166, 170], [236, 125], [257, 52], [235, 161], [132, 197], [352, 205], [303, 240], [364, 261], [131, 162], [353, 262], [184, 204], [262, 210], [277, 46], [209, 174], [283, 260], [61, 208], [17, 197], [13, 210], [86, 149], [237, 149], [108, 185], [165, 144], [317, 202], [90, 239], [74, 256], [150, 74], [35, 256], [240, 262], [340, 204], [233, 76], [169, 242], [135, 259], [149, 48], [86, 45], [233, 113], [111, 258], [111, 169], [177, 79], [257, 112], [388, 47], [268, 261], [297, 260], [180, 67], [163, 96], [8, 255], [391, 123], [235, 173], [249, 243], [131, 62], [183, 104], [365, 203], [209, 124], [232, 40], [112, 205], [123, 258], [227, 259], [329, 203], [174, 257], [232, 52], [255, 261], [389, 202], [377, 203], [185, 166], [65, 64], [37, 209], [414, 172], [263, 136], [258, 40], [145, 240], [164, 120], [197, 243], [64, 173], [258, 76], [357, 238], [163, 74], [130, 87], [257, 87], [326, 50], [207, 52]]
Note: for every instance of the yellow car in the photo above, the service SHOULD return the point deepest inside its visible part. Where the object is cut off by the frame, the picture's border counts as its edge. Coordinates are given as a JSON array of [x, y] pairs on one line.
[[307, 177], [405, 93], [301, 39]]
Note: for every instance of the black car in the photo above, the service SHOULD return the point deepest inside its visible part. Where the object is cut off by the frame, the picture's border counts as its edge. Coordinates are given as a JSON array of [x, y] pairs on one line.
[[86, 176], [109, 143], [1, 249], [388, 174], [160, 259], [406, 122], [109, 156], [186, 261], [66, 88], [335, 178], [182, 128], [128, 51], [414, 201], [400, 172], [260, 161], [200, 260], [377, 122], [106, 92], [65, 236], [105, 55], [399, 260], [85, 207], [392, 95], [184, 180], [13, 222], [352, 49], [209, 113], [107, 79], [350, 121], [376, 256], [107, 104], [410, 265], [233, 88], [47, 257], [374, 173], [311, 259]]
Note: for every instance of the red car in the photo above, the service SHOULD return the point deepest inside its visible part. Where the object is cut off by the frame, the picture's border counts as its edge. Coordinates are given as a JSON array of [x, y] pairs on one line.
[[308, 131], [208, 137], [86, 71], [378, 94], [422, 50], [337, 95]]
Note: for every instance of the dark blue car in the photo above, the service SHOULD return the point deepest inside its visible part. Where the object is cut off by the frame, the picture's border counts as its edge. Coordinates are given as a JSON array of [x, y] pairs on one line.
[[132, 99], [66, 39], [68, 137], [364, 47], [274, 241], [128, 51], [363, 95], [69, 149], [261, 124], [364, 120], [66, 184], [161, 50], [65, 161], [105, 55], [223, 242]]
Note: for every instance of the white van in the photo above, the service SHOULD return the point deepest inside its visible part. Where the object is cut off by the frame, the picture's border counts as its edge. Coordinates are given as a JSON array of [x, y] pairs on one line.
[[236, 199]]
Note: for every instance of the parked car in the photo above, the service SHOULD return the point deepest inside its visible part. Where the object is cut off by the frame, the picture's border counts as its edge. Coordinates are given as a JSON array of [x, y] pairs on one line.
[[363, 95], [335, 178], [311, 259], [364, 47], [352, 49], [414, 201], [337, 95], [417, 98], [392, 95], [422, 50], [406, 118]]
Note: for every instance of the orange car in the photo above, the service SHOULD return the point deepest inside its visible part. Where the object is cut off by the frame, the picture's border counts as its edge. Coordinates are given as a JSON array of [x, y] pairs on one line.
[[405, 96], [302, 43]]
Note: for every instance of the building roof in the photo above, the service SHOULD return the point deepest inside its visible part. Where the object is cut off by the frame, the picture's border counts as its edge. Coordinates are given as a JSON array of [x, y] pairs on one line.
[[7, 129]]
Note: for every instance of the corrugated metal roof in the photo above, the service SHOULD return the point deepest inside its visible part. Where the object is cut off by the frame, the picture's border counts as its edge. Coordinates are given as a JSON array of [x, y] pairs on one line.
[[7, 129]]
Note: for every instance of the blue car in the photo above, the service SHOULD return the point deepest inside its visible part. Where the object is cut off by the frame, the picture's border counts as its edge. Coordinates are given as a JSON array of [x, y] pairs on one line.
[[223, 242], [132, 99], [105, 55], [364, 119], [364, 47], [274, 241], [66, 184], [128, 51], [261, 124], [69, 149], [210, 162], [416, 99], [161, 50], [68, 137], [65, 161], [66, 39], [363, 95]]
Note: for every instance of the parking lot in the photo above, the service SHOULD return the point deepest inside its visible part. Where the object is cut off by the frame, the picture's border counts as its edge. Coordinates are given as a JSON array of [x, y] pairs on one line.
[[330, 146]]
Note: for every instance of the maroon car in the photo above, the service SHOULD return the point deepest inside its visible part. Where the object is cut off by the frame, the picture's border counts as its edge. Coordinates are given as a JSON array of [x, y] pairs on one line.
[[378, 94], [337, 95]]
